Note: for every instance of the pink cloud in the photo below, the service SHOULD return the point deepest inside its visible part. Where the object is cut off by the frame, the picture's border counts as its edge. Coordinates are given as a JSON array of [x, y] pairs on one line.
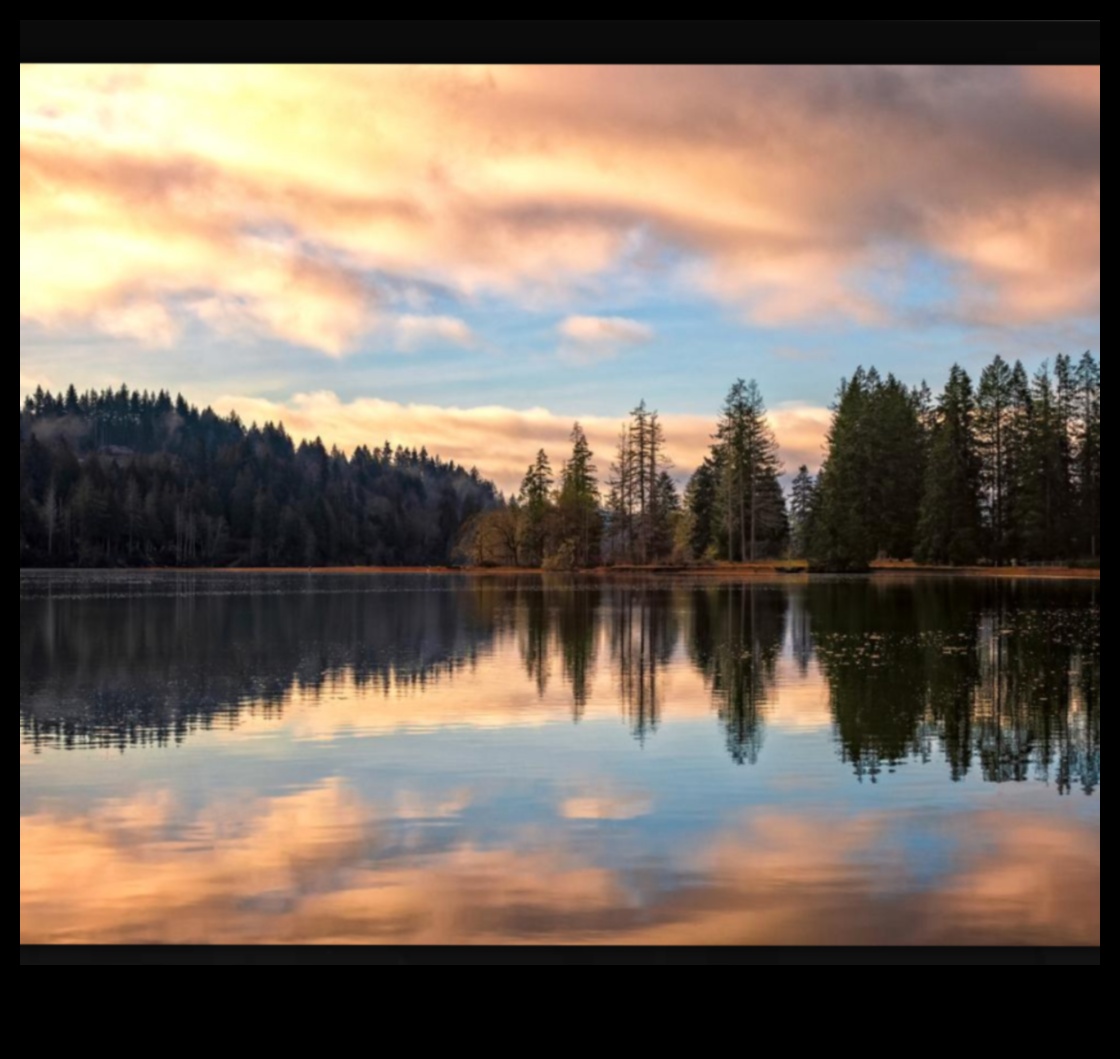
[[792, 193], [608, 331]]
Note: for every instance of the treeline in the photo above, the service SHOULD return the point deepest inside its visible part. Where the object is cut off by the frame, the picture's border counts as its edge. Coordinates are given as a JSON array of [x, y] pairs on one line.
[[138, 479], [1003, 473], [734, 508]]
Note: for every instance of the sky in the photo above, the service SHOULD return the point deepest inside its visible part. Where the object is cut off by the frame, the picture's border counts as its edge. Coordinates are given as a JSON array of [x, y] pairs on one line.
[[472, 258]]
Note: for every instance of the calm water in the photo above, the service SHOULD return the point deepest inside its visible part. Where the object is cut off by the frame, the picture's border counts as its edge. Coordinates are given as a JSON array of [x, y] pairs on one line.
[[439, 760]]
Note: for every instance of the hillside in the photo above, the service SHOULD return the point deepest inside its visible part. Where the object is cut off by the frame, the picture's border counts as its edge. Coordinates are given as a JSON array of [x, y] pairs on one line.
[[139, 479]]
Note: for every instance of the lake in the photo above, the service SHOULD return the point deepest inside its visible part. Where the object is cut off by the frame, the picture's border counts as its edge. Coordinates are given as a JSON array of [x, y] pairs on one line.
[[444, 759]]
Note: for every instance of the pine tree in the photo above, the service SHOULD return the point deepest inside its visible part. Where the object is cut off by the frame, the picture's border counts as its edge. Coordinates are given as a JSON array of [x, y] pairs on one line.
[[1018, 446], [1065, 427], [701, 502], [1044, 497], [667, 505], [896, 465], [621, 504], [578, 503], [802, 504], [748, 459], [536, 505], [1089, 457], [949, 529], [637, 517], [840, 540], [871, 485], [994, 433]]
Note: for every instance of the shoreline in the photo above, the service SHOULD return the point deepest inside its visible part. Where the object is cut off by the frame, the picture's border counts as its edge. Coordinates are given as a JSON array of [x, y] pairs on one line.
[[727, 572]]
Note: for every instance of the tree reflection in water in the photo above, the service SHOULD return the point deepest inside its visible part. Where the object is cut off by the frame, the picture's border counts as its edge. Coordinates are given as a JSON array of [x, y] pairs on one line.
[[999, 678]]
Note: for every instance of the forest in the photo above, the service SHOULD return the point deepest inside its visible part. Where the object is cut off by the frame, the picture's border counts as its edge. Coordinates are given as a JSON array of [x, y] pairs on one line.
[[137, 479], [1002, 472]]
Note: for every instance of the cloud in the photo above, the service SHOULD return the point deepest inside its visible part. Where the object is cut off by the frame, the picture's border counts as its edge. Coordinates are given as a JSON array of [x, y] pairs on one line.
[[591, 338], [265, 198], [600, 330], [148, 323], [501, 442], [415, 332]]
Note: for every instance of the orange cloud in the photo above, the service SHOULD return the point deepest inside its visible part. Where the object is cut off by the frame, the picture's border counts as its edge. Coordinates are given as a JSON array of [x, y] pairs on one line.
[[263, 198], [501, 442]]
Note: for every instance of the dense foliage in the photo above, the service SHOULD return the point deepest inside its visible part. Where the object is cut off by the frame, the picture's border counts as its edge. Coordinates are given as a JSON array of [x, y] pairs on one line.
[[132, 479], [1006, 472]]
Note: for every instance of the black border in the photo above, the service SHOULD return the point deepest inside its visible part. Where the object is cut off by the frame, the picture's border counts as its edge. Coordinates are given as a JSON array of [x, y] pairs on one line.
[[575, 957], [986, 42], [914, 41]]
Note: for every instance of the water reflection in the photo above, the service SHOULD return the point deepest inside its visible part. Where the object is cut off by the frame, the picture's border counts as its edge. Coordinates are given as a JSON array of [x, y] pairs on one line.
[[554, 760], [735, 640], [324, 866], [999, 678], [1006, 676]]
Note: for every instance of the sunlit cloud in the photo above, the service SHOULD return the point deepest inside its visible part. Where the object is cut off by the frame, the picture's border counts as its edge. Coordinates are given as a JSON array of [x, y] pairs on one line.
[[149, 323], [598, 330], [417, 332], [587, 339], [502, 442], [263, 198]]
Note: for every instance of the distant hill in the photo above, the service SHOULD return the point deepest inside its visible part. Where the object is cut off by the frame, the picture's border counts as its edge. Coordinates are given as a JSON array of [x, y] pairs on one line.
[[138, 479]]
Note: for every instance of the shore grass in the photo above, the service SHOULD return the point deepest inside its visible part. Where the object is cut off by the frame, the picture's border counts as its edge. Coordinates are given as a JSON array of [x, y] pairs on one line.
[[784, 569]]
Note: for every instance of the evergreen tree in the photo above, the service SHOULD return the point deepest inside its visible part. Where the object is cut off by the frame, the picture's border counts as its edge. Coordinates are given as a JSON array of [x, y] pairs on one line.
[[640, 524], [701, 502], [667, 505], [580, 521], [1089, 457], [995, 412], [802, 505], [871, 485], [620, 502], [896, 461], [536, 507], [748, 459], [841, 540], [949, 529], [1044, 498]]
